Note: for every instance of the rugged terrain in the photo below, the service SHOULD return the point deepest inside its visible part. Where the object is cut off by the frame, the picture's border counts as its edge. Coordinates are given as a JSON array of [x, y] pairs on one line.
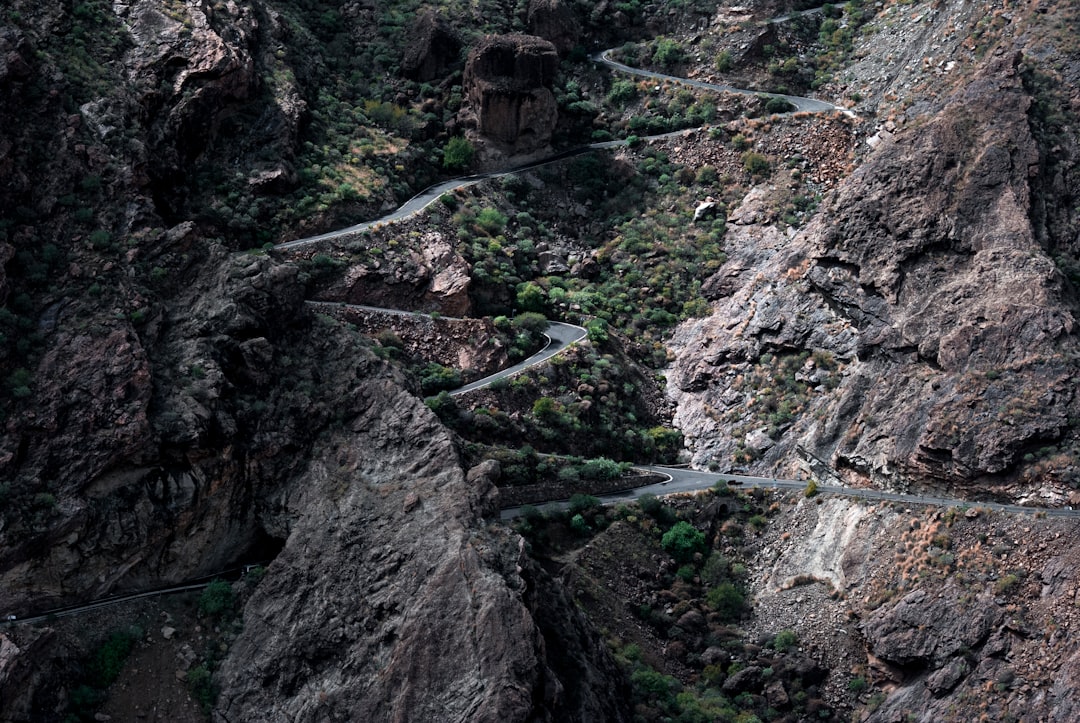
[[891, 293]]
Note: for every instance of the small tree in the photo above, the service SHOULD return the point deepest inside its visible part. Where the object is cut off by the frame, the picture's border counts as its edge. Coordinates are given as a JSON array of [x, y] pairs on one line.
[[458, 154], [683, 540], [668, 53], [785, 640], [597, 329], [216, 599], [727, 600], [531, 297], [580, 503]]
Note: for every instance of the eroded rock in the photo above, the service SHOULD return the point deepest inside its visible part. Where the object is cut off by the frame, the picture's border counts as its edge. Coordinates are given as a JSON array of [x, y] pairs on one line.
[[508, 81]]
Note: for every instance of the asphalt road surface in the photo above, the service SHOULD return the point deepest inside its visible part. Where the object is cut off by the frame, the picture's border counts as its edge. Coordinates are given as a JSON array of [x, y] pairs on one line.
[[688, 480], [559, 336]]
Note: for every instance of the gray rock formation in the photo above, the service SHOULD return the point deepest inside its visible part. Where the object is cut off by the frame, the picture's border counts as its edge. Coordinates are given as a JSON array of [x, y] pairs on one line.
[[923, 272]]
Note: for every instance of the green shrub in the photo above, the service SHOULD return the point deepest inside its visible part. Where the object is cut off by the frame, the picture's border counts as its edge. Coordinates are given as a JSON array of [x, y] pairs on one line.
[[531, 297], [19, 383], [811, 488], [491, 221], [582, 503], [655, 687], [1006, 583], [435, 378], [778, 105], [668, 53], [597, 329], [785, 640], [458, 154], [755, 163], [108, 660], [716, 569], [202, 687], [100, 239], [622, 92], [579, 526], [601, 468], [857, 685], [682, 541], [217, 599], [727, 600], [650, 504]]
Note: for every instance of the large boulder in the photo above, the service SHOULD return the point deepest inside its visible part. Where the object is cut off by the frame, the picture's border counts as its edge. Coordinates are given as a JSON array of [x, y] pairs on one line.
[[433, 48], [554, 20], [508, 81]]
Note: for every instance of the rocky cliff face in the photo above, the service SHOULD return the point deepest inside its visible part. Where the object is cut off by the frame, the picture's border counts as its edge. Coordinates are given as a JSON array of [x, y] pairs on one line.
[[431, 277], [389, 603], [924, 278], [953, 615], [508, 83], [554, 20], [175, 407], [433, 49]]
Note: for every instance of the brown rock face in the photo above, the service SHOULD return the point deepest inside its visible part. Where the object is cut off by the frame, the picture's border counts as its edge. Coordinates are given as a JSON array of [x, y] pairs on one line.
[[433, 48], [389, 599], [508, 82], [386, 603], [433, 278], [923, 275], [457, 343], [554, 20]]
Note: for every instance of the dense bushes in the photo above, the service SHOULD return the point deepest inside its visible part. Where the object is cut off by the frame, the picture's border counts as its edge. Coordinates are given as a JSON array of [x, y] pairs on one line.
[[683, 541]]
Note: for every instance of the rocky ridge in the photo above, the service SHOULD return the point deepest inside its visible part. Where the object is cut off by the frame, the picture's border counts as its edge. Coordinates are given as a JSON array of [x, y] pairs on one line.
[[891, 278]]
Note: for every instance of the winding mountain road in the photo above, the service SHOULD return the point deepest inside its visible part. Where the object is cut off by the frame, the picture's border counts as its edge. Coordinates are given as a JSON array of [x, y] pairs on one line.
[[429, 195], [799, 103], [559, 336], [688, 480]]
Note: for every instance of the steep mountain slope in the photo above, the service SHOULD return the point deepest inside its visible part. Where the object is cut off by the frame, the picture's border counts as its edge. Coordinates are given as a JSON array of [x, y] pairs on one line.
[[931, 279], [172, 407]]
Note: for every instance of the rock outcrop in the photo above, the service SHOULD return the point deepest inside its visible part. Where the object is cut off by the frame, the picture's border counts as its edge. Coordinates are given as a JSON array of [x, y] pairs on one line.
[[469, 345], [508, 81], [554, 20], [953, 616], [432, 277], [433, 47], [922, 275], [388, 604], [388, 599]]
